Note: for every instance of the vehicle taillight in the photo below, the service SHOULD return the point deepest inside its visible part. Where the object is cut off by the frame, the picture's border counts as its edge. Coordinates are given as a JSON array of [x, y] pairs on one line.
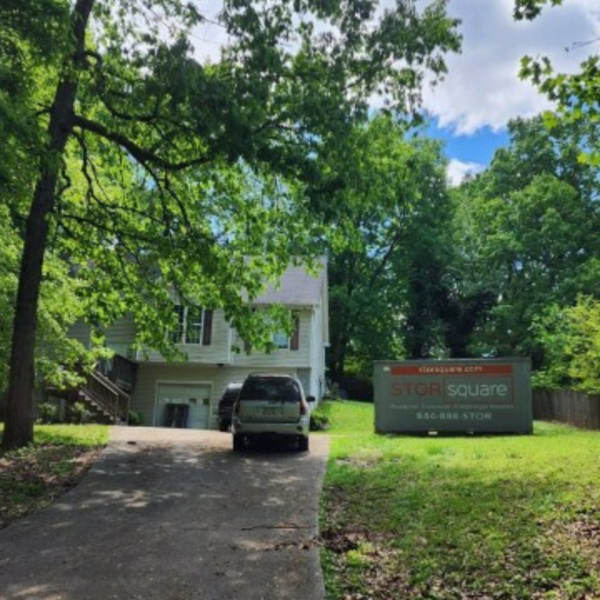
[[303, 408], [236, 408]]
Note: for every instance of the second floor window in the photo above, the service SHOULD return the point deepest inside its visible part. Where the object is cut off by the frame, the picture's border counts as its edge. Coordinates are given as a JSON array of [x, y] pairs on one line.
[[283, 341], [194, 326]]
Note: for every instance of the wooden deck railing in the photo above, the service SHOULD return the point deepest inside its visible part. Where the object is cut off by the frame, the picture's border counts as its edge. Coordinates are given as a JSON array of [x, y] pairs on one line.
[[120, 370], [107, 396]]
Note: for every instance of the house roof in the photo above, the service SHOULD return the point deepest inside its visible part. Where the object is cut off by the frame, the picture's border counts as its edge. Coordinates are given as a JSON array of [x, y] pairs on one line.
[[297, 287]]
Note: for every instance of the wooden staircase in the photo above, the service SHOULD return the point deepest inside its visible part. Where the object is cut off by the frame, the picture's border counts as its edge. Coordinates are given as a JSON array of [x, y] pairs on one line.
[[106, 390], [106, 399]]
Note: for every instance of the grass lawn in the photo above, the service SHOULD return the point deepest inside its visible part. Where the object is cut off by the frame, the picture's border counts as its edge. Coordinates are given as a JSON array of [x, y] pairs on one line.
[[34, 476], [449, 518]]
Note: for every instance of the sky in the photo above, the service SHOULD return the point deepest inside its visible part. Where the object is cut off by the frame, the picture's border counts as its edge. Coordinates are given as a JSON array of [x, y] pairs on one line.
[[482, 92], [470, 109]]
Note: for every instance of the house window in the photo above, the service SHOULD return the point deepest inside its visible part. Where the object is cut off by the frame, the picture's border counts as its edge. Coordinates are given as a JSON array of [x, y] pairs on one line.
[[282, 340], [194, 326], [176, 335]]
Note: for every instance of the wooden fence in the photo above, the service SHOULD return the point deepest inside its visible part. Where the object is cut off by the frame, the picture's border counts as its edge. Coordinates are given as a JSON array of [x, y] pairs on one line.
[[567, 406]]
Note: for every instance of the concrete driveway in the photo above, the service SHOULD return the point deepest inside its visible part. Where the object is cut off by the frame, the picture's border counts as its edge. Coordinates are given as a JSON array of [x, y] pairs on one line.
[[175, 515]]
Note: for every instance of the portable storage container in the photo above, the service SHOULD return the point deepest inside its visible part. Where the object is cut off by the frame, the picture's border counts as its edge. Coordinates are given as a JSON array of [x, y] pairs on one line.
[[456, 395]]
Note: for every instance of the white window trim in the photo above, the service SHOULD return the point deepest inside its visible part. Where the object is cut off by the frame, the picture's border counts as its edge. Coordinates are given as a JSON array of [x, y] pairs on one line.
[[183, 327]]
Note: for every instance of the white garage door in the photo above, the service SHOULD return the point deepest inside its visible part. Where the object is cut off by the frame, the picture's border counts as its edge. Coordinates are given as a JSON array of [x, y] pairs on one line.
[[183, 405]]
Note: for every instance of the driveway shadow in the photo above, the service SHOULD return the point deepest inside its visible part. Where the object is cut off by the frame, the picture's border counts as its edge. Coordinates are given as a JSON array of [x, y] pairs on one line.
[[180, 520]]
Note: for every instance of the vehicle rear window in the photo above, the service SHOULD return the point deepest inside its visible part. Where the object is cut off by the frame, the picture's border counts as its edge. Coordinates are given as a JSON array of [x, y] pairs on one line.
[[284, 390]]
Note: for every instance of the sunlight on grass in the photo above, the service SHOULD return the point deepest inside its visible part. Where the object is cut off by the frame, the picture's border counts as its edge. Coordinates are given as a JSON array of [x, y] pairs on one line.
[[75, 435], [80, 435], [460, 517]]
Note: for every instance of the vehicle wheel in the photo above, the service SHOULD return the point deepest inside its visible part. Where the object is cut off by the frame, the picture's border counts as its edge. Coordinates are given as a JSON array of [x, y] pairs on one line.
[[238, 443], [223, 425], [303, 444]]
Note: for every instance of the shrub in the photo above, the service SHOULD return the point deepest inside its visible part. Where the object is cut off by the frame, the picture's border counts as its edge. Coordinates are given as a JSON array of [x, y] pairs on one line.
[[319, 421], [80, 413], [134, 418], [47, 412]]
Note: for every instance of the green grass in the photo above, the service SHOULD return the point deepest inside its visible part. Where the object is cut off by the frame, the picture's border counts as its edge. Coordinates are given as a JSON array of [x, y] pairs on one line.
[[444, 518], [34, 476], [87, 436]]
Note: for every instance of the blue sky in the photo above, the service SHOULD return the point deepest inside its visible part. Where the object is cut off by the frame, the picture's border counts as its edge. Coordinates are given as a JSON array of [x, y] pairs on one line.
[[471, 151], [482, 91], [478, 147]]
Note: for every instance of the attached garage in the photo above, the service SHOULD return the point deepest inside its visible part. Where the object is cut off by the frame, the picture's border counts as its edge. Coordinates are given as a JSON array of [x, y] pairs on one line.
[[183, 405]]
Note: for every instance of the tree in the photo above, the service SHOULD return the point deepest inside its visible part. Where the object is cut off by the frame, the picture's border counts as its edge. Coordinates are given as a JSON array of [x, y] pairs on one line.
[[529, 9], [571, 337], [576, 95], [392, 190], [528, 231], [155, 172]]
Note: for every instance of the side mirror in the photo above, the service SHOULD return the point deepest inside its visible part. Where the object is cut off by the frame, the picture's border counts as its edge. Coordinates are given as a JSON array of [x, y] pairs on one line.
[[311, 399]]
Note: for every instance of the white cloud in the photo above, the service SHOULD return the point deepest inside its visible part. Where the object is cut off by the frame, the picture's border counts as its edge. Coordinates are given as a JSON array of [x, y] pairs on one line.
[[457, 170], [482, 87]]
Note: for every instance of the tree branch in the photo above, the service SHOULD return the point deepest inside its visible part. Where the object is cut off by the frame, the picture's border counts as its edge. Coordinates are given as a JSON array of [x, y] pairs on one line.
[[142, 155]]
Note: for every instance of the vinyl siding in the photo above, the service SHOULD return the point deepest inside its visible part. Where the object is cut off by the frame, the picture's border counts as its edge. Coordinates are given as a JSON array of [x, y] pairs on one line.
[[80, 331], [282, 358], [120, 335], [217, 352], [317, 355]]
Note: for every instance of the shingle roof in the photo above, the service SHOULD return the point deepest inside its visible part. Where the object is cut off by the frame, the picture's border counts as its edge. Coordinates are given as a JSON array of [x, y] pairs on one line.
[[297, 287]]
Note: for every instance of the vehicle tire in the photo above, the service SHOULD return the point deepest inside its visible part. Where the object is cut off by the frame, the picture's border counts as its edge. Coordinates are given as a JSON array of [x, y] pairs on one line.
[[303, 444], [223, 425], [238, 443]]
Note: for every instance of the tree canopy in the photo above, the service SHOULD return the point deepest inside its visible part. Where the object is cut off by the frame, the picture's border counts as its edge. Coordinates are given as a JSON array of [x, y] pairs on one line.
[[151, 171], [386, 289], [528, 232], [574, 94]]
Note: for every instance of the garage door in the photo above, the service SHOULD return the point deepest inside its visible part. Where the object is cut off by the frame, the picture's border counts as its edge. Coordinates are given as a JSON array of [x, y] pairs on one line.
[[183, 405]]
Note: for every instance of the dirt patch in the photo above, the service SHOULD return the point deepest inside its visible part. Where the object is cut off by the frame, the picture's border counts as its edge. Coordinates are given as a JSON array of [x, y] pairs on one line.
[[34, 477]]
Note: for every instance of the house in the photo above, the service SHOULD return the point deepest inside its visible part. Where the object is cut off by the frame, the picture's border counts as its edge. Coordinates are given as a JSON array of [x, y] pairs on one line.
[[187, 393]]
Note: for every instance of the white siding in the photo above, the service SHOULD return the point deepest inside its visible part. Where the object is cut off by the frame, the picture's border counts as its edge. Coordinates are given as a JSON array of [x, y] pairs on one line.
[[80, 331], [313, 378], [217, 352], [120, 335], [282, 358], [317, 355]]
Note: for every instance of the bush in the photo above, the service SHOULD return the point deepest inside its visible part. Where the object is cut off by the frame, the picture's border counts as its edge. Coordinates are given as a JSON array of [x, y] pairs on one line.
[[319, 421], [80, 413], [134, 418], [47, 413]]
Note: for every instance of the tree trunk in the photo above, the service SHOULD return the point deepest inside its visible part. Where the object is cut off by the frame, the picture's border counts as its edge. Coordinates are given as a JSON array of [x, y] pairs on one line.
[[18, 431]]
